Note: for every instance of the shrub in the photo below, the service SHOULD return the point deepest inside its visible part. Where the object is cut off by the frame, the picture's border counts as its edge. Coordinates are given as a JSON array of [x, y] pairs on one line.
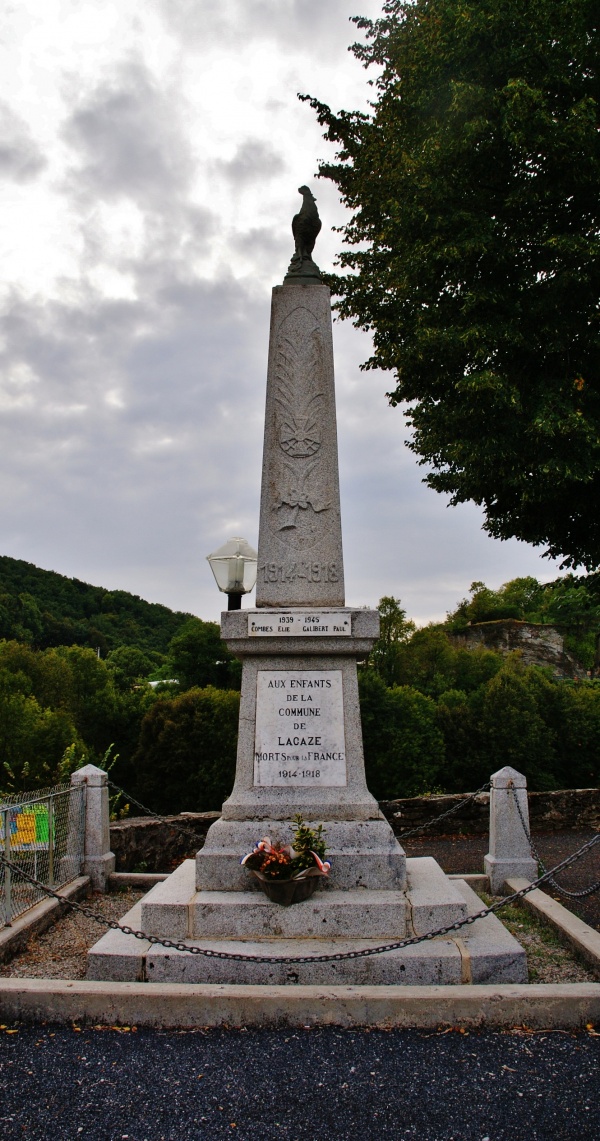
[[185, 760], [404, 748]]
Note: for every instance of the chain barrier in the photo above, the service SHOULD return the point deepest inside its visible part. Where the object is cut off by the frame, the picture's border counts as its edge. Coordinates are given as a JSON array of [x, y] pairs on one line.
[[442, 816], [154, 815], [337, 957], [400, 835], [536, 855]]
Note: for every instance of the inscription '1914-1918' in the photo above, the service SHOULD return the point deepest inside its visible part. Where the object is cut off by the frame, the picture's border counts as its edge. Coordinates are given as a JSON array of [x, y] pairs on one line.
[[299, 728], [289, 572]]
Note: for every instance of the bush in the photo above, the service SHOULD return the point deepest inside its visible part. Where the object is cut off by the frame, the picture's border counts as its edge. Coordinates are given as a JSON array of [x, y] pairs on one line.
[[185, 760], [33, 740], [76, 701], [404, 748], [432, 664], [199, 658]]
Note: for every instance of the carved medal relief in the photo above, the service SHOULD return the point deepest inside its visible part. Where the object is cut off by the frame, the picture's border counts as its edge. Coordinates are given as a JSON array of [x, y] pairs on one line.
[[303, 488]]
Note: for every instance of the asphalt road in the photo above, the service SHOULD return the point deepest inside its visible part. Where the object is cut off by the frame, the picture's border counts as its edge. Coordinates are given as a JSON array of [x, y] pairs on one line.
[[305, 1085]]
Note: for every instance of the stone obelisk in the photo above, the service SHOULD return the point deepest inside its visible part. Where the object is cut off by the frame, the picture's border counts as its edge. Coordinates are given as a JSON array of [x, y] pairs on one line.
[[300, 740]]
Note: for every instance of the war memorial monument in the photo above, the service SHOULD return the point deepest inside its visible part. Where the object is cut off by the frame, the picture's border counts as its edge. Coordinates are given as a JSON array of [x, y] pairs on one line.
[[300, 741]]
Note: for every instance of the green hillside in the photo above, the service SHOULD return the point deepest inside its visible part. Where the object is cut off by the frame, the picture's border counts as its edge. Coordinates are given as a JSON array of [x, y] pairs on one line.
[[48, 609]]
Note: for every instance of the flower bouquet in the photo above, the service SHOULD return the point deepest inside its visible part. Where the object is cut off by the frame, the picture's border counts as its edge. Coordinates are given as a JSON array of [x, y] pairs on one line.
[[289, 873]]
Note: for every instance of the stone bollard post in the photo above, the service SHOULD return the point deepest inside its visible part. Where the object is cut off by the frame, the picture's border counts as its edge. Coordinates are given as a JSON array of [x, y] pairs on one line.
[[98, 860], [510, 853]]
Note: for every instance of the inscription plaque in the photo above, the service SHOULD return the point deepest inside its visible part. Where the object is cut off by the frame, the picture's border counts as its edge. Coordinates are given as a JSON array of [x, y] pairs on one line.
[[299, 738], [305, 624]]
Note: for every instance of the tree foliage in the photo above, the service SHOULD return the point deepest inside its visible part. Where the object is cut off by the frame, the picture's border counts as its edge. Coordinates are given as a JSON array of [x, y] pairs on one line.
[[395, 629], [451, 716], [198, 657], [404, 746], [51, 700], [474, 248], [186, 755]]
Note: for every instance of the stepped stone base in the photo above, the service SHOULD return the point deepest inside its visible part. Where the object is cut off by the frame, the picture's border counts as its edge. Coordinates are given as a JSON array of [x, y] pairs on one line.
[[175, 910], [332, 921]]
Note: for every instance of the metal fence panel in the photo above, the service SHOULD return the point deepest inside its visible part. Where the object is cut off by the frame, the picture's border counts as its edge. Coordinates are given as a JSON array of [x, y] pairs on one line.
[[43, 834]]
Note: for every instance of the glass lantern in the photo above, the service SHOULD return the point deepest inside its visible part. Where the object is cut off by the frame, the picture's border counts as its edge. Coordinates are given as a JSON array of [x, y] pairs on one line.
[[234, 566]]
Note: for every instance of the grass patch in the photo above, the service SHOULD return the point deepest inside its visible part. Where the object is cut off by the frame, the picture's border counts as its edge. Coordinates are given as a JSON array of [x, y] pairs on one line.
[[548, 961]]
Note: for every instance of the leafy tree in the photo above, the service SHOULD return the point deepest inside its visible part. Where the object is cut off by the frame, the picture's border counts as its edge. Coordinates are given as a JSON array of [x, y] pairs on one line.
[[404, 748], [579, 742], [33, 740], [570, 602], [466, 765], [520, 598], [187, 751], [432, 664], [128, 667], [395, 630], [93, 699], [199, 657], [474, 248], [512, 713]]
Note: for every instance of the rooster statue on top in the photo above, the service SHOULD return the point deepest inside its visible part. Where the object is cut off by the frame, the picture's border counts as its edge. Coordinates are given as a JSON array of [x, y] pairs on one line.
[[305, 228]]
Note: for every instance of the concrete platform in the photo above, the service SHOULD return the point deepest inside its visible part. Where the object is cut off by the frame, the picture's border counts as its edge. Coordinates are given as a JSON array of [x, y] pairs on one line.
[[483, 952], [433, 899], [434, 963]]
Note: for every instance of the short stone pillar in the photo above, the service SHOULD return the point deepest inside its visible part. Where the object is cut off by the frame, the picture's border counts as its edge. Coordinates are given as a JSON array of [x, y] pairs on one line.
[[98, 860], [510, 851]]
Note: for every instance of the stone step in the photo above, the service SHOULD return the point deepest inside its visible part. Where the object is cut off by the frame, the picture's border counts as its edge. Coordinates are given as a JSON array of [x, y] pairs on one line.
[[166, 909], [174, 910], [434, 900], [438, 962], [332, 914]]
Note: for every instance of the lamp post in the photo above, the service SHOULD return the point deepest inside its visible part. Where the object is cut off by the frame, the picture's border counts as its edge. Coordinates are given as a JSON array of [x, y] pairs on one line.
[[234, 567]]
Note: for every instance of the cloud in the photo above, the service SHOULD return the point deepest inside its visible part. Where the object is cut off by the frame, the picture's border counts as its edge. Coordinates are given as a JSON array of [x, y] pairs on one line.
[[141, 437], [311, 27], [128, 140], [21, 159], [132, 375], [253, 161]]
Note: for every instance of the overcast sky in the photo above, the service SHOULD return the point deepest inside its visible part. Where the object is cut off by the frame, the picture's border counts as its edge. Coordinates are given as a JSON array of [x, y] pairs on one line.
[[150, 155]]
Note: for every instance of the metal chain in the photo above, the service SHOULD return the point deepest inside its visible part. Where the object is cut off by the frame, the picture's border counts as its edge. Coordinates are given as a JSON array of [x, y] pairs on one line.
[[401, 835], [291, 959], [442, 816], [536, 855], [155, 815]]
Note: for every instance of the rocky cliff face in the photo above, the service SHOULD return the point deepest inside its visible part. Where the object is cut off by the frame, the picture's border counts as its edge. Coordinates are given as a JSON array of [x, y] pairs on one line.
[[539, 645]]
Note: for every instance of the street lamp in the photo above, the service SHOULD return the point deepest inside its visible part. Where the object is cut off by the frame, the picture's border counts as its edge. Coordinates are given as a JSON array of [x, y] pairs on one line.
[[234, 568]]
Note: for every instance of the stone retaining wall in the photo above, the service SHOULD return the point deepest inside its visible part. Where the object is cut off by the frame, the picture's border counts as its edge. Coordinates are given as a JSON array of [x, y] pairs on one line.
[[142, 844], [548, 812], [145, 844]]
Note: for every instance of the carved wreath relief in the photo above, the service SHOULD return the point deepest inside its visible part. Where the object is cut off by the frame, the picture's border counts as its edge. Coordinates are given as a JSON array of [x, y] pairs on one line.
[[300, 507]]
